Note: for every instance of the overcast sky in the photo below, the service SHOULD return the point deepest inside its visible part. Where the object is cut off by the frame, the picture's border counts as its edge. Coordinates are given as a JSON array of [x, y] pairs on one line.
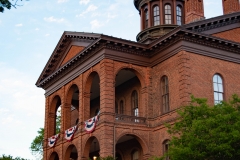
[[28, 36]]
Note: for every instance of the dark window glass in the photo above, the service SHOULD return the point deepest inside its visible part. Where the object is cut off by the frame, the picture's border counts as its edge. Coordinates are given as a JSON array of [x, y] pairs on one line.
[[156, 18], [146, 18], [116, 107], [179, 15], [166, 148], [165, 94], [135, 103], [121, 107], [218, 88], [168, 14]]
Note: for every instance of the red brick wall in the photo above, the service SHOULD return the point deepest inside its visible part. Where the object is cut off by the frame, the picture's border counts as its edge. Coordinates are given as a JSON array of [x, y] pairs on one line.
[[232, 35], [73, 51], [188, 73], [230, 6]]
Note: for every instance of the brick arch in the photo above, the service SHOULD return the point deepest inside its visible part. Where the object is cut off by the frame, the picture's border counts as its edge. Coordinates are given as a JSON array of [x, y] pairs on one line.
[[67, 105], [52, 115], [139, 139], [68, 150], [88, 80], [52, 155], [87, 145], [87, 89], [136, 71]]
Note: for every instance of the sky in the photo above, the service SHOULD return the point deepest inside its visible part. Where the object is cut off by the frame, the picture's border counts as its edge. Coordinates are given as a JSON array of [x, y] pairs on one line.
[[28, 36]]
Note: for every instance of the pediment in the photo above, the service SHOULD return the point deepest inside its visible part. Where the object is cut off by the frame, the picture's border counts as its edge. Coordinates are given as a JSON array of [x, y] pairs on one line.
[[70, 45]]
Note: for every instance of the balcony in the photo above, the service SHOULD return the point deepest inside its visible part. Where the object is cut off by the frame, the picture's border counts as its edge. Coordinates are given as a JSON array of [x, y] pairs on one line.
[[130, 117]]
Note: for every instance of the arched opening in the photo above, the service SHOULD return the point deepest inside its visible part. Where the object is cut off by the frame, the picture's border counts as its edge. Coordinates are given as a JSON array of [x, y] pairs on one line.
[[92, 96], [54, 123], [95, 96], [73, 107], [127, 91], [92, 148], [71, 153], [156, 17], [179, 15], [130, 148], [54, 156]]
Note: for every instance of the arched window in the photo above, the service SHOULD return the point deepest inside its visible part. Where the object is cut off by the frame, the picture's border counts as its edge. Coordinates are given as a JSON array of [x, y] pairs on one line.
[[135, 103], [156, 18], [165, 148], [146, 18], [168, 14], [121, 107], [179, 15], [135, 155], [165, 94], [218, 88]]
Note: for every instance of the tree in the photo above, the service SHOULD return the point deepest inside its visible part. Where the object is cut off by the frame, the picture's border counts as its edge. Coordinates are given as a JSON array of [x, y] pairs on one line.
[[9, 157], [206, 132], [37, 143], [6, 4]]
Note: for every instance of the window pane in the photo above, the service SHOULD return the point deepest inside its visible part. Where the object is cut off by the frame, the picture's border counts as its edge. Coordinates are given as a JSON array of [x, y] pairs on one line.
[[215, 96], [215, 86], [215, 78], [220, 96], [219, 79], [220, 88]]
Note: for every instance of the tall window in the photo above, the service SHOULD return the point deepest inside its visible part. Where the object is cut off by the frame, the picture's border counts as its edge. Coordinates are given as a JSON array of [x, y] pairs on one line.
[[146, 18], [135, 103], [121, 107], [179, 15], [165, 94], [156, 18], [168, 14], [165, 148], [218, 88]]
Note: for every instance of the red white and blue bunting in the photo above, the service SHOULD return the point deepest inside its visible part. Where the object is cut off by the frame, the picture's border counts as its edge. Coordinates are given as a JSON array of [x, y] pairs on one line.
[[69, 133], [52, 140], [90, 124]]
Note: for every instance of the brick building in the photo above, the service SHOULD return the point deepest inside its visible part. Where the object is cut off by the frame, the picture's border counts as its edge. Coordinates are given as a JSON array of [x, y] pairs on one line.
[[138, 86]]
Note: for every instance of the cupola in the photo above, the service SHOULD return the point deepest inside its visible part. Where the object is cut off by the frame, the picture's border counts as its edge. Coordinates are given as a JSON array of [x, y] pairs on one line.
[[158, 17]]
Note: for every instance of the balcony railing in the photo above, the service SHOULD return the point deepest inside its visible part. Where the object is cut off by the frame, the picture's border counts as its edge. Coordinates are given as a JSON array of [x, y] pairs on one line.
[[130, 117]]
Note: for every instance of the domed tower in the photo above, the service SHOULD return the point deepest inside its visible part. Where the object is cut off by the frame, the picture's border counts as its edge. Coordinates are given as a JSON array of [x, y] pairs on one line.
[[230, 6], [158, 17]]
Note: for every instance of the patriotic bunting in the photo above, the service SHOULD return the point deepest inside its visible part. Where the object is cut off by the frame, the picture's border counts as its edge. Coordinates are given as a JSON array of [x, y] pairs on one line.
[[69, 133], [52, 140], [90, 124]]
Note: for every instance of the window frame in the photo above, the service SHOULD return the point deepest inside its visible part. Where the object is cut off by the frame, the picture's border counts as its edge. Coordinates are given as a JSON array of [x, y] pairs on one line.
[[216, 85], [146, 18], [179, 17], [156, 15], [167, 14], [165, 94], [134, 100]]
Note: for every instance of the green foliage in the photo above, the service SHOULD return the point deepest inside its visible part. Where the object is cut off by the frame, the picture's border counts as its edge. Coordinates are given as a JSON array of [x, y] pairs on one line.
[[5, 4], [206, 132], [37, 144], [106, 158], [9, 157]]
